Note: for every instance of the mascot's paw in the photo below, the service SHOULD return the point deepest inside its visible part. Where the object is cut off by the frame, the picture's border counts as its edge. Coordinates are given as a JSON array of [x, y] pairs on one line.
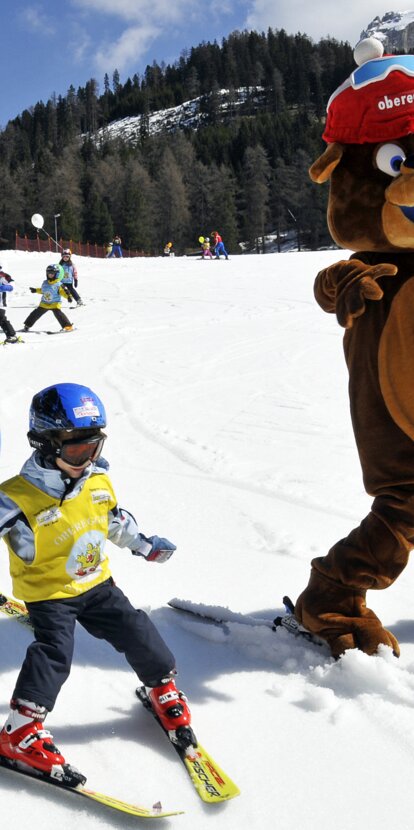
[[346, 286], [340, 616], [366, 636]]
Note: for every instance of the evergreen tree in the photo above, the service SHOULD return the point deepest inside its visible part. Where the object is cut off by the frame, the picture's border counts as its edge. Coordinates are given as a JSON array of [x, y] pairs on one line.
[[256, 190], [170, 202]]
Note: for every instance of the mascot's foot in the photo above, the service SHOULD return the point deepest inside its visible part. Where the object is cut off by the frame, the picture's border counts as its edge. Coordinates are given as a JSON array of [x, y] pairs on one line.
[[339, 615]]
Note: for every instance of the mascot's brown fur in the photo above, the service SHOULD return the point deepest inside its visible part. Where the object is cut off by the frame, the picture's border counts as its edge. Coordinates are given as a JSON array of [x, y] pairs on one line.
[[371, 212]]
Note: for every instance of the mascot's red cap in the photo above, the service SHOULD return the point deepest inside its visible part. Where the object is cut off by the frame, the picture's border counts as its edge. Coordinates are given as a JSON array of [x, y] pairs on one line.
[[376, 103]]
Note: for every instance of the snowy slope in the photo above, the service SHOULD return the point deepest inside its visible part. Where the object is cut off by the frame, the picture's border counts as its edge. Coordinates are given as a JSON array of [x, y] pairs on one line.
[[229, 433]]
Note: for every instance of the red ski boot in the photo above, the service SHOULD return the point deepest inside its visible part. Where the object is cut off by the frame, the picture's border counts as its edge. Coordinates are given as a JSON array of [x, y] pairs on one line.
[[169, 705], [25, 743]]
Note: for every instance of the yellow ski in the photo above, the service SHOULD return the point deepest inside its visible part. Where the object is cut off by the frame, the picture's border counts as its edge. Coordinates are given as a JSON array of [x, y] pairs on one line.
[[211, 783], [15, 609], [155, 811], [208, 779]]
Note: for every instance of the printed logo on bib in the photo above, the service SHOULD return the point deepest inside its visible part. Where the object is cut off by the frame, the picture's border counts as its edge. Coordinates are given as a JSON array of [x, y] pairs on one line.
[[100, 496], [86, 556], [48, 516]]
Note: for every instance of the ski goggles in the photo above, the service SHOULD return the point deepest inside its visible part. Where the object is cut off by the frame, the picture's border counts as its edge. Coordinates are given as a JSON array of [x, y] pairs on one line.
[[79, 451]]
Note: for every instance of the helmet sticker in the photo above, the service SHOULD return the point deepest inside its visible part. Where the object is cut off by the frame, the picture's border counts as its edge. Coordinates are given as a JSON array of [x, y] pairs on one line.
[[88, 408]]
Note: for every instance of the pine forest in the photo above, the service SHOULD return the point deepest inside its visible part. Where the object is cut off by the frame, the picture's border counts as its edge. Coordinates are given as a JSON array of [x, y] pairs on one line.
[[243, 171]]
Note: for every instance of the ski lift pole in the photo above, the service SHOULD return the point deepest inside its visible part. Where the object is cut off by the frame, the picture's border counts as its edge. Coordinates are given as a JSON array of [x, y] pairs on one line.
[[297, 227]]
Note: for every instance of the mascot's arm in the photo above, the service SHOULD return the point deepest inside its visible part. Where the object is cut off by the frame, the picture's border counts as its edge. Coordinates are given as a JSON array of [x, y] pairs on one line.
[[344, 287]]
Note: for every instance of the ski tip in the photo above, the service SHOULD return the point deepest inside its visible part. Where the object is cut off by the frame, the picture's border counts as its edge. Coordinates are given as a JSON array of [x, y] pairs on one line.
[[287, 602]]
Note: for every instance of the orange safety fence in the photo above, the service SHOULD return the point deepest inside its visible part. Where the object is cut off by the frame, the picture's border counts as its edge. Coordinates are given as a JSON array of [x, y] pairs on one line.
[[23, 243]]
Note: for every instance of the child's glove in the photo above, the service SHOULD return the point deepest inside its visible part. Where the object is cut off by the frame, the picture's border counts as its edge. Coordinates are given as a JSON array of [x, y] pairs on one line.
[[70, 298], [160, 551], [75, 282], [33, 290]]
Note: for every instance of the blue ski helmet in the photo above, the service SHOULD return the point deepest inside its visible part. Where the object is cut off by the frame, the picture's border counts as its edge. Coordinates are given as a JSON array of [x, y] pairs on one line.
[[66, 406]]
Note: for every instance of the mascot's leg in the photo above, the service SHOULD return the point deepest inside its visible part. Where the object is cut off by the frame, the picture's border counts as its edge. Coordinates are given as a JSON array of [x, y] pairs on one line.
[[372, 556]]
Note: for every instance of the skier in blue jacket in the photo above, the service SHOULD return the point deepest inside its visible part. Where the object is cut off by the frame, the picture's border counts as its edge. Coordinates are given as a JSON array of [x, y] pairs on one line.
[[5, 324], [70, 279]]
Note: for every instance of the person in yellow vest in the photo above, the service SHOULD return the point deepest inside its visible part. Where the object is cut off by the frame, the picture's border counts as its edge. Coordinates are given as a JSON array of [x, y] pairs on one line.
[[55, 517]]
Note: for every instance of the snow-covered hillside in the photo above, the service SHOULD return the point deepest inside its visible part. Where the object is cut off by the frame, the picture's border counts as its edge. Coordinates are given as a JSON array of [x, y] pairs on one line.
[[187, 116], [229, 433]]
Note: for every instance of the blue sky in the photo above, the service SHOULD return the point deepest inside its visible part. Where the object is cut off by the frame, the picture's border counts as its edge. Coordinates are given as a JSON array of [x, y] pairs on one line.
[[47, 46]]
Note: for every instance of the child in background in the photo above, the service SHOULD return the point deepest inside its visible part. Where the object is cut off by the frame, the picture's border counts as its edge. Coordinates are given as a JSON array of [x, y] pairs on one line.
[[55, 517], [70, 279], [205, 249], [5, 279], [51, 291], [5, 324]]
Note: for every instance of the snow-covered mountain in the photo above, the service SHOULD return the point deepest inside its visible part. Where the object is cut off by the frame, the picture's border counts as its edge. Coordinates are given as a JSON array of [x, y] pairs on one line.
[[189, 115], [394, 29]]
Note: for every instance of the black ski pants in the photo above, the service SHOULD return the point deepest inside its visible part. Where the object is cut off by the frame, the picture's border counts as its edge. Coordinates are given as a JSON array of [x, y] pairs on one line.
[[70, 288], [38, 312], [106, 613], [6, 325]]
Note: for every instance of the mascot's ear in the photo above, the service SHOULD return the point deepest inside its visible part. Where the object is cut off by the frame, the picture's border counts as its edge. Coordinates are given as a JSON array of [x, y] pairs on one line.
[[323, 166]]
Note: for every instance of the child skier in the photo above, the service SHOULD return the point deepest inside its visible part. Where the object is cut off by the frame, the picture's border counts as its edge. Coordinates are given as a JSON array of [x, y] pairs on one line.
[[5, 324], [55, 517], [5, 279], [51, 291], [70, 279], [205, 249]]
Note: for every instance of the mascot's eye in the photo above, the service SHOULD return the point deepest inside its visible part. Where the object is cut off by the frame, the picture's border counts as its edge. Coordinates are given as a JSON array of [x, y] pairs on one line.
[[389, 158]]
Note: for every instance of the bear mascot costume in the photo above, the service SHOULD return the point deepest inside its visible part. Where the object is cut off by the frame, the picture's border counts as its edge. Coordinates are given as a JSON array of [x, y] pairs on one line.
[[369, 162]]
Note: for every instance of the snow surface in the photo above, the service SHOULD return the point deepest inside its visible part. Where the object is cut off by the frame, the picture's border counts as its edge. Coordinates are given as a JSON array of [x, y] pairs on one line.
[[229, 432]]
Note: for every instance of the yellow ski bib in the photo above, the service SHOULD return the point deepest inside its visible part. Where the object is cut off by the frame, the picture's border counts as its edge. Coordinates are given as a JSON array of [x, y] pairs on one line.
[[69, 539]]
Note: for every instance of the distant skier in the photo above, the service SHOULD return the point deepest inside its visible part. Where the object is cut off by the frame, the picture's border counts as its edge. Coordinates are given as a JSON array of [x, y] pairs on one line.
[[218, 245], [51, 291], [5, 279], [116, 247], [55, 517], [70, 279], [206, 252], [5, 324]]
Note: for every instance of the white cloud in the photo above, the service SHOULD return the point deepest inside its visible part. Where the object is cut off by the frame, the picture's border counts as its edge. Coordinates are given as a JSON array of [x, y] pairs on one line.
[[128, 49], [316, 19], [35, 19], [146, 12], [145, 21]]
